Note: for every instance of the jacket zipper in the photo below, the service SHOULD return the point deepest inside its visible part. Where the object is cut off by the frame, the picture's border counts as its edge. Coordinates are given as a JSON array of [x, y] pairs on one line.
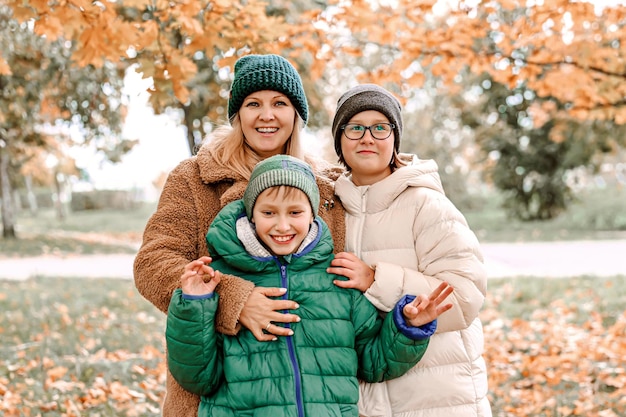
[[359, 228], [291, 348]]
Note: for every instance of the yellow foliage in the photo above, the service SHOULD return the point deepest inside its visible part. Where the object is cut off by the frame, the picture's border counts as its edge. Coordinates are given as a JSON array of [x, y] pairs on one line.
[[317, 69], [223, 4], [190, 25], [5, 69], [50, 26], [417, 79], [576, 57], [139, 4], [22, 13], [558, 132]]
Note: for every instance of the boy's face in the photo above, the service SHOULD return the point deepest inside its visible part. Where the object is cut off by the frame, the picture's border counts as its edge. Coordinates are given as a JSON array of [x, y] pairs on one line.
[[282, 216]]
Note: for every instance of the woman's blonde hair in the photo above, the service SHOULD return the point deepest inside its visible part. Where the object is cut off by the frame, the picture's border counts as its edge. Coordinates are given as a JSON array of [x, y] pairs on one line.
[[229, 148]]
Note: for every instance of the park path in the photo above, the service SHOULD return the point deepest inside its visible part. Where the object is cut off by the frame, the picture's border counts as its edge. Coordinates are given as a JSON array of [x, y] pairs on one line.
[[503, 260]]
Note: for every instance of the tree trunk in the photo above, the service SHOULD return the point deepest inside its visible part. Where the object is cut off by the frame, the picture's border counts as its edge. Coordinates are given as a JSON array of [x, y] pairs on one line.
[[60, 204], [8, 213], [188, 122], [30, 195], [17, 201]]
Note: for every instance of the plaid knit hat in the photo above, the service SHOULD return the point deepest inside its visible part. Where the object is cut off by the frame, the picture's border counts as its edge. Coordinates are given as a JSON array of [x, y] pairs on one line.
[[266, 72], [281, 170], [367, 97]]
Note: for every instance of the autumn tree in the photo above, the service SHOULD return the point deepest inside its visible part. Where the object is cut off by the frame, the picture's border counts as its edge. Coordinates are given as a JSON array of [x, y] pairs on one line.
[[569, 54], [185, 47], [47, 104], [568, 57], [530, 161], [207, 37], [563, 50]]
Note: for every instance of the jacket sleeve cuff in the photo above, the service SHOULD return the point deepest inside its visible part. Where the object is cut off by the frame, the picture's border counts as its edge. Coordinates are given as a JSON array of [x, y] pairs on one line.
[[414, 333], [197, 297]]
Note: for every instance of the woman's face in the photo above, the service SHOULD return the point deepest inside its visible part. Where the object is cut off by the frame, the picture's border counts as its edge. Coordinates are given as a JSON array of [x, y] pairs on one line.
[[267, 120], [368, 158]]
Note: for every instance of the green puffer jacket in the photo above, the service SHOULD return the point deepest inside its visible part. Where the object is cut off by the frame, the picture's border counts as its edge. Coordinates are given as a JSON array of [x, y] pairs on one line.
[[312, 373]]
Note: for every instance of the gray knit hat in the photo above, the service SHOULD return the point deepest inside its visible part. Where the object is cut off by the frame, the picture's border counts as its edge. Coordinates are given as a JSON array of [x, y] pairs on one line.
[[367, 97], [266, 72], [281, 170]]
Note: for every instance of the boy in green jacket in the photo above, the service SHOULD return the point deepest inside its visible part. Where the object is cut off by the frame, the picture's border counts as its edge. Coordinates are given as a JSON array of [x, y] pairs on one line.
[[274, 238]]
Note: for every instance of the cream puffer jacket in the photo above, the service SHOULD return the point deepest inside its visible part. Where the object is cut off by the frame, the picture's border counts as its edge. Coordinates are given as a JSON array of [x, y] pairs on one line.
[[416, 238]]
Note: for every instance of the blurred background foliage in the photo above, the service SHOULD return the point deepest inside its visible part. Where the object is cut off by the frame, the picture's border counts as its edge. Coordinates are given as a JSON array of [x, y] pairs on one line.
[[521, 104], [596, 213]]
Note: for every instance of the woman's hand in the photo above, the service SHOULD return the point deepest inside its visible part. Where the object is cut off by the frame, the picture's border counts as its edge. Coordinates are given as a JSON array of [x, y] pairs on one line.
[[199, 278], [360, 275], [425, 309], [260, 314]]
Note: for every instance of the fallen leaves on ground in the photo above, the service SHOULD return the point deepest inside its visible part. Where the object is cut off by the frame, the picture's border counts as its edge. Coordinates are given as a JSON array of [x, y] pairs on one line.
[[65, 394], [565, 358], [552, 366]]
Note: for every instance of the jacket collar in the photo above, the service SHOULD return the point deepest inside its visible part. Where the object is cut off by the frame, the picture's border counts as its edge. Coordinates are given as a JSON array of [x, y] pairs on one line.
[[379, 196], [212, 173]]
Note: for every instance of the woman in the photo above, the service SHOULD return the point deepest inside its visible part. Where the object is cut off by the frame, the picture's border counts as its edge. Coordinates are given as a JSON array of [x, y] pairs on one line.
[[267, 109], [404, 236]]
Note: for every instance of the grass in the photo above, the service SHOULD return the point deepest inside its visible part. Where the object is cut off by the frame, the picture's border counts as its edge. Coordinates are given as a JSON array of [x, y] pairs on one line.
[[522, 297], [115, 222], [82, 232], [95, 347], [597, 214], [79, 347], [556, 347]]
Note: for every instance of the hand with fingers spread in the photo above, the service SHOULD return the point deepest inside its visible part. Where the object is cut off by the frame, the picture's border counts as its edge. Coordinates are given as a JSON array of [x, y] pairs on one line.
[[424, 309], [261, 313], [199, 278], [360, 275]]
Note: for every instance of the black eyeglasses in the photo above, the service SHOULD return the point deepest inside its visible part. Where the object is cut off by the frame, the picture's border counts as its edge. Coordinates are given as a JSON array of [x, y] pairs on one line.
[[379, 131]]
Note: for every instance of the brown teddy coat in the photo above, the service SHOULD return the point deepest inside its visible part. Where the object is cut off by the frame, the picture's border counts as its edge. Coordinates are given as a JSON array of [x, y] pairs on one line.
[[176, 234]]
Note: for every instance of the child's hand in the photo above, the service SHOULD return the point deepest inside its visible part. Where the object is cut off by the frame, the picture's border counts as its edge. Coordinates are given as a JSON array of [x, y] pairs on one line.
[[425, 309], [360, 275], [199, 278]]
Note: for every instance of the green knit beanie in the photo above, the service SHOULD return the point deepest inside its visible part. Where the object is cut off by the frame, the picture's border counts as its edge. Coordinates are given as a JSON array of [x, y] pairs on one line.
[[266, 72], [281, 170], [367, 97]]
